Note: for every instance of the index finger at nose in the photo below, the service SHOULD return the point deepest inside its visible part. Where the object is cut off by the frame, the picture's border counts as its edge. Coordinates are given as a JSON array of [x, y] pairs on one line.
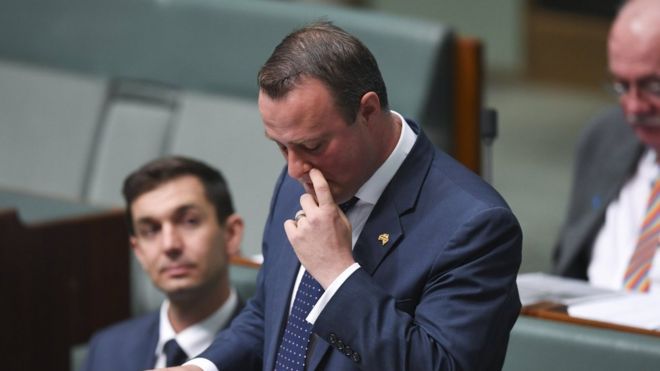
[[321, 188]]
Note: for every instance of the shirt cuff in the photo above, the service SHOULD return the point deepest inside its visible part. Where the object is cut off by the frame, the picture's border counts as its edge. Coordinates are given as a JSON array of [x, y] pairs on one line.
[[329, 293], [202, 363]]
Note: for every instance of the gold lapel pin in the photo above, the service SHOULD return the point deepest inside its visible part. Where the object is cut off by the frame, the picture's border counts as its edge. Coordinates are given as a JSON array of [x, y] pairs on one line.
[[384, 238]]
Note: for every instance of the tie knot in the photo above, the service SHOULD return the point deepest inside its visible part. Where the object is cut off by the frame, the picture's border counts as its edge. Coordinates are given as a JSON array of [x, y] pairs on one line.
[[174, 355], [346, 206]]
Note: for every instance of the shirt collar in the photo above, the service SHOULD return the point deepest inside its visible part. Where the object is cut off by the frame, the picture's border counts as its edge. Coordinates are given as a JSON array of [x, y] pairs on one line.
[[194, 339], [649, 167], [372, 189]]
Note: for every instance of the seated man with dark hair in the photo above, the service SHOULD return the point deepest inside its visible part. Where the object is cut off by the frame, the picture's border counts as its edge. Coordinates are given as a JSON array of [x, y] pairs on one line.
[[183, 230]]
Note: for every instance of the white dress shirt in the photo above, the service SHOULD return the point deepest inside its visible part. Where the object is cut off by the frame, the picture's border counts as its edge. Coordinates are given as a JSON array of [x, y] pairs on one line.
[[368, 195], [617, 239], [194, 339]]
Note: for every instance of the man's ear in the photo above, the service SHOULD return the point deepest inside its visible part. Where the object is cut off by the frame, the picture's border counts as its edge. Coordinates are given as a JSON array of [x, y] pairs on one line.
[[369, 107], [234, 227]]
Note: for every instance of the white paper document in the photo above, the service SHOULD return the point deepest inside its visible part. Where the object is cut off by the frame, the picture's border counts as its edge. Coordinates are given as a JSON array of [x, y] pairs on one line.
[[635, 310], [592, 303], [538, 287]]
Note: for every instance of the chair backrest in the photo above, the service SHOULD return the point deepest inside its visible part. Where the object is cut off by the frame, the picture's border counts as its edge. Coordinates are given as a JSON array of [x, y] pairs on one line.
[[546, 345], [217, 46], [47, 128]]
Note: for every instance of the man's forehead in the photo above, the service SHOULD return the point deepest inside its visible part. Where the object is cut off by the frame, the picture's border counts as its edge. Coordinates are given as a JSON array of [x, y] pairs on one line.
[[304, 137], [638, 21], [171, 195], [167, 211]]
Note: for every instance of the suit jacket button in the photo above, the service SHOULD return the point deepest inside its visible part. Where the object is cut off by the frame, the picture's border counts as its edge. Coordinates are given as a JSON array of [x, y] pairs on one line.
[[348, 351], [340, 345], [356, 357], [333, 338]]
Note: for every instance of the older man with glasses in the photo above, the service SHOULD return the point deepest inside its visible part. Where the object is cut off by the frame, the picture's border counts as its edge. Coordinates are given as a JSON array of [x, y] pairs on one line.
[[611, 233]]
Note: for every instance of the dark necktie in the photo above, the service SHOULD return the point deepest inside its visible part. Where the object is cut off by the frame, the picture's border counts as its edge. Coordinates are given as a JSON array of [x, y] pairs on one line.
[[174, 355], [292, 353], [348, 204]]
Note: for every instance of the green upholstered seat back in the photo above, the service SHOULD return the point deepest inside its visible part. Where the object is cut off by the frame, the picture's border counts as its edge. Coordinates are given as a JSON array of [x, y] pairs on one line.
[[217, 46], [545, 345]]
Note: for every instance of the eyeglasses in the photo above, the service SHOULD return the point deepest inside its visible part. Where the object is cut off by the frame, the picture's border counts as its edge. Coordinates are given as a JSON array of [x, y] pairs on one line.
[[648, 88]]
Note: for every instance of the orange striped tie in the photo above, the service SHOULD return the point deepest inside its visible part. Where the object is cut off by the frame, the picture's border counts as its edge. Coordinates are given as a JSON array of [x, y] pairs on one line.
[[637, 275]]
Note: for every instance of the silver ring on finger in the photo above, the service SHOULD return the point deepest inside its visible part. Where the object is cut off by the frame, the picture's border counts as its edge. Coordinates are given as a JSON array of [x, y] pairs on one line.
[[299, 215]]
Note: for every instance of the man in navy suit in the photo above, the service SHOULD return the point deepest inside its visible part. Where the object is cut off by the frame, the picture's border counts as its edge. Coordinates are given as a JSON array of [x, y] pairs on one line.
[[183, 230], [419, 274]]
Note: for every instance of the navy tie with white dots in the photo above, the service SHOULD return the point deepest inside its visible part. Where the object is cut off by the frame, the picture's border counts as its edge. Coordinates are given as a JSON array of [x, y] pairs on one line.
[[292, 353], [293, 348]]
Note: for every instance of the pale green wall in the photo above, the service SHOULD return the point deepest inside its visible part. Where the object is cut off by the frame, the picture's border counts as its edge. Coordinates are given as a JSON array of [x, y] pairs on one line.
[[499, 23]]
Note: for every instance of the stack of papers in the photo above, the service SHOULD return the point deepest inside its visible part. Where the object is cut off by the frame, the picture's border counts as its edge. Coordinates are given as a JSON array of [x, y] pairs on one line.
[[592, 303], [540, 287], [634, 310]]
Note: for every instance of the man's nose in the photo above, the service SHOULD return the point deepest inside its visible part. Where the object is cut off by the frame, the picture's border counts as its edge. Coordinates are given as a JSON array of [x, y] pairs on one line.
[[296, 165], [171, 238]]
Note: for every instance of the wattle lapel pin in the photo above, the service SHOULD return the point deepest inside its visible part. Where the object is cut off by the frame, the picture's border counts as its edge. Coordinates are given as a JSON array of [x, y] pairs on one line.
[[384, 238]]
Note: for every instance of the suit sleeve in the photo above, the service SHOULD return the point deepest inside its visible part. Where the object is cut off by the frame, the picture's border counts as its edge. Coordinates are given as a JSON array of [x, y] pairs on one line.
[[467, 305]]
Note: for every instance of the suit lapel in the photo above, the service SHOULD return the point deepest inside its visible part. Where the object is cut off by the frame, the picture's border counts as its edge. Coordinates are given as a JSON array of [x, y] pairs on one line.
[[383, 229], [380, 234]]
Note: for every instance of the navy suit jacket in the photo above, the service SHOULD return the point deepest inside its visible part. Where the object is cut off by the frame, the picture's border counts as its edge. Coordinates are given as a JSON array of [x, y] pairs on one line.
[[128, 345], [440, 294]]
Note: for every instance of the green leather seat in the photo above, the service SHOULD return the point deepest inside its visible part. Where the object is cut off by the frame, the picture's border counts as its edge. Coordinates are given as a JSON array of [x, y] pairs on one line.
[[545, 345]]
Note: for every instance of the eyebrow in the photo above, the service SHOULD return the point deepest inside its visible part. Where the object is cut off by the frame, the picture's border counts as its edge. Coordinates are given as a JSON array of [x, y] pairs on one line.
[[177, 213], [300, 142], [145, 221]]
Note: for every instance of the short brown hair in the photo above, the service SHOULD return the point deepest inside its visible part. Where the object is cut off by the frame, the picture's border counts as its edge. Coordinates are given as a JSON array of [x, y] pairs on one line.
[[326, 52], [159, 171]]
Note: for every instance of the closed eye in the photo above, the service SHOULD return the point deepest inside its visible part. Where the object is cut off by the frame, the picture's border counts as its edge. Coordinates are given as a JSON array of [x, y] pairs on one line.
[[282, 148], [311, 147]]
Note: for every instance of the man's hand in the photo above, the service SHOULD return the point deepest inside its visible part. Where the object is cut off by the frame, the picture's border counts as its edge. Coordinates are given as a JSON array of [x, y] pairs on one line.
[[322, 237]]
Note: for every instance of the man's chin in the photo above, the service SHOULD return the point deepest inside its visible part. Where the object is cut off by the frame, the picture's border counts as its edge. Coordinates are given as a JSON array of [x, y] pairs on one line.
[[179, 292], [178, 284]]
